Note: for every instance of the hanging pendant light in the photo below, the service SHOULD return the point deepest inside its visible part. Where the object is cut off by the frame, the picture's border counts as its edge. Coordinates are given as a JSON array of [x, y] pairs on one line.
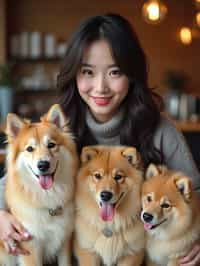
[[197, 19], [186, 35], [154, 11]]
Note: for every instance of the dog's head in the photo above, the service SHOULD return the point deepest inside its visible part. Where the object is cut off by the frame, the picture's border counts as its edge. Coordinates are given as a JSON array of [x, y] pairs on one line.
[[37, 151], [166, 197], [110, 174]]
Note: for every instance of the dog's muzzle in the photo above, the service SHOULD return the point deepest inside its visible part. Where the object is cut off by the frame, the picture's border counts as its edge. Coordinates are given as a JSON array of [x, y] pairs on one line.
[[148, 221]]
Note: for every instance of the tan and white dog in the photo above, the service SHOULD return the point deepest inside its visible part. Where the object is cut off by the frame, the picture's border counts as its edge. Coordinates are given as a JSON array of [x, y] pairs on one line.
[[108, 205], [41, 166], [170, 214]]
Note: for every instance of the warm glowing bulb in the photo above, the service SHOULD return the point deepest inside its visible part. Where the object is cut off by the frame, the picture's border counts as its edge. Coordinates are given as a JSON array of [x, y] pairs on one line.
[[154, 11], [198, 19], [186, 35]]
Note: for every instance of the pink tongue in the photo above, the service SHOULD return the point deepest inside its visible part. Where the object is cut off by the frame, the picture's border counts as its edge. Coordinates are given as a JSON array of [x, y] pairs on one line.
[[107, 211], [147, 226], [46, 181]]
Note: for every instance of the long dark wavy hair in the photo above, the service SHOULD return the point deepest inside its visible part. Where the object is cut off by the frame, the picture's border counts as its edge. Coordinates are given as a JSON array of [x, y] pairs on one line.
[[141, 103]]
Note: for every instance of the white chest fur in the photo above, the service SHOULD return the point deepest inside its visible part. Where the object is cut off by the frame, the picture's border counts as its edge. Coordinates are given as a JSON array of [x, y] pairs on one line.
[[124, 241], [49, 232]]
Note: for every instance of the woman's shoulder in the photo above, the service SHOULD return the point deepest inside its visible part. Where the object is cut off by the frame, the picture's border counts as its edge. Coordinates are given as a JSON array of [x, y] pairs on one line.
[[166, 126], [166, 134]]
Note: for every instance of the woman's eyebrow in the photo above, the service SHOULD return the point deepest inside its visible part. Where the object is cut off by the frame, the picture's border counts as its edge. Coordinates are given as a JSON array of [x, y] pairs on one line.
[[112, 65], [90, 65], [86, 65]]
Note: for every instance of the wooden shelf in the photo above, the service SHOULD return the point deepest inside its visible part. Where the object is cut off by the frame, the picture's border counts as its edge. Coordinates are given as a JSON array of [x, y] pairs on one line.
[[19, 60], [51, 91], [188, 126]]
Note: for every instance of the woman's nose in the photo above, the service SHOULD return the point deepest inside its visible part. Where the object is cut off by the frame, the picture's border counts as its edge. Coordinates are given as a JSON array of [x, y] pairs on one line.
[[100, 84]]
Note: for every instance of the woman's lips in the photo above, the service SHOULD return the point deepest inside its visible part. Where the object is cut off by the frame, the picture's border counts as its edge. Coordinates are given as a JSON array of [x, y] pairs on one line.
[[102, 101]]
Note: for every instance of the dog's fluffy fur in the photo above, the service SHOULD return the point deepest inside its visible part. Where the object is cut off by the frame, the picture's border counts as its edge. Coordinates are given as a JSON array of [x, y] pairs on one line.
[[170, 214], [107, 223], [41, 166]]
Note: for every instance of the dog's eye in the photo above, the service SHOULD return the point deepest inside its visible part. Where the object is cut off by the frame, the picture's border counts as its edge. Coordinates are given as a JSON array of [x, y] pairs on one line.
[[165, 205], [130, 159], [51, 145], [149, 199], [29, 149], [97, 176], [118, 177]]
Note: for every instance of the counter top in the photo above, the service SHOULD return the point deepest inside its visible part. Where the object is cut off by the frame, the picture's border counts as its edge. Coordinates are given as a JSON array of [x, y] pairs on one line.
[[188, 126]]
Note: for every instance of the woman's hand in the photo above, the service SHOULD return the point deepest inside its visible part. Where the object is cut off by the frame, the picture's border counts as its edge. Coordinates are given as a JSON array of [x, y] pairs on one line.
[[11, 233], [192, 258]]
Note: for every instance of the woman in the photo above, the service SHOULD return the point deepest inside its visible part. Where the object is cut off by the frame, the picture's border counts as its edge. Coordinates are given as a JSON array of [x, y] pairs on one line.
[[105, 94]]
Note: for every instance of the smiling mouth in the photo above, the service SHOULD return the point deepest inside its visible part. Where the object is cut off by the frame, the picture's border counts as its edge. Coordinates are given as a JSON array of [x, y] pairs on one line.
[[45, 180], [149, 226], [102, 100]]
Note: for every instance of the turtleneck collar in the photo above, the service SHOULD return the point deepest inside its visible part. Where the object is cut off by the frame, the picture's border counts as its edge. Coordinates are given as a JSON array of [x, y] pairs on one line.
[[108, 129]]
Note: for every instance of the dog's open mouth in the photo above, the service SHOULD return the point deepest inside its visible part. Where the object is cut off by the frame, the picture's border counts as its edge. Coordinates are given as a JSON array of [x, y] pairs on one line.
[[149, 226], [107, 210], [46, 180]]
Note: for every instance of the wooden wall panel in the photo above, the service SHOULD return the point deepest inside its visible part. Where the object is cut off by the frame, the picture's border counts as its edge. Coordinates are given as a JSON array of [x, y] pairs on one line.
[[160, 42]]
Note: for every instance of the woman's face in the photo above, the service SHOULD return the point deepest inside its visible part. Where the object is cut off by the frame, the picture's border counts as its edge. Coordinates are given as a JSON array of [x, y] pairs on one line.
[[100, 82]]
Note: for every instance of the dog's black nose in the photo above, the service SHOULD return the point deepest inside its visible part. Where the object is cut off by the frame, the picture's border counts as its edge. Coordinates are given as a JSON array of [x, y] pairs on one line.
[[43, 165], [106, 195], [147, 217]]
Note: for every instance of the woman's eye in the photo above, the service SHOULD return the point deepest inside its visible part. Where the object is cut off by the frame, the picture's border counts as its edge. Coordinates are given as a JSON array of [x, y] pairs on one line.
[[29, 149], [87, 72], [115, 72], [51, 145]]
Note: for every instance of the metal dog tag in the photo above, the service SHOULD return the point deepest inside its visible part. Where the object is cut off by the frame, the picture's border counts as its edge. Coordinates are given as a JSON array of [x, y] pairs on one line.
[[56, 212], [107, 232]]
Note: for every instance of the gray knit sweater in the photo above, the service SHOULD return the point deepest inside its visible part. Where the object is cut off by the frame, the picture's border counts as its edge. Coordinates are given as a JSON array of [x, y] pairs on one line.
[[167, 138]]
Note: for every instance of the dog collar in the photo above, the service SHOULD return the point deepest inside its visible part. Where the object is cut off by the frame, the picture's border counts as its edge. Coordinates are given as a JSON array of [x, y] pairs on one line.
[[107, 232], [56, 212]]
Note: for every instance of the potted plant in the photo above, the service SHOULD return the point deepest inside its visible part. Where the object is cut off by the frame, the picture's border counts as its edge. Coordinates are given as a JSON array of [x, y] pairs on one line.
[[7, 86], [175, 82]]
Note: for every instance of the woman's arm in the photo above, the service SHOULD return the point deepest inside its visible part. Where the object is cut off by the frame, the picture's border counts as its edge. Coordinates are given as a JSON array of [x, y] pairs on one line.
[[10, 229]]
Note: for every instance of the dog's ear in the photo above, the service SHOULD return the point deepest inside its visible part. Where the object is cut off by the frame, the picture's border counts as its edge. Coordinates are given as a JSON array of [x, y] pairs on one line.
[[56, 116], [88, 153], [184, 186], [152, 170], [132, 156], [13, 125]]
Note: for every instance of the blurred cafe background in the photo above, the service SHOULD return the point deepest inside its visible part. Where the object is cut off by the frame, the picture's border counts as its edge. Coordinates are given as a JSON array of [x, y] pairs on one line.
[[33, 41]]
